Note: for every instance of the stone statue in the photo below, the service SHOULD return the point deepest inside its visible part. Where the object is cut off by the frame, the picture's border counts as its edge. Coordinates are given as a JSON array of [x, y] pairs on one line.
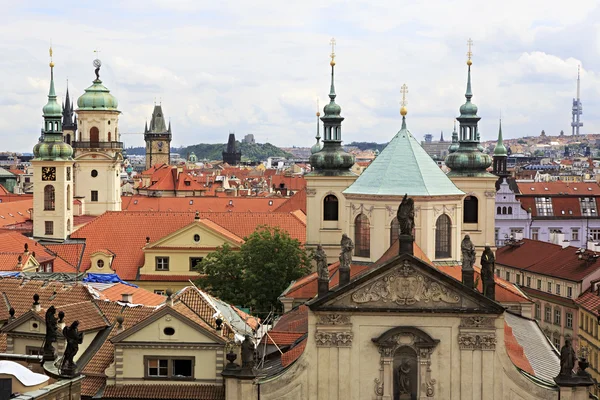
[[488, 261], [321, 259], [468, 253], [74, 338], [51, 333], [567, 359], [247, 352], [404, 379], [346, 253], [406, 216]]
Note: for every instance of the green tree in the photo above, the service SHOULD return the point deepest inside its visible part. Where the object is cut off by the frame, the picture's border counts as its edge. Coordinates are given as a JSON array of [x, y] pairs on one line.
[[258, 273]]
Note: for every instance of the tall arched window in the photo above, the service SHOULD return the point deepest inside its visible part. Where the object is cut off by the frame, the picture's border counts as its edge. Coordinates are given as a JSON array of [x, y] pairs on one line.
[[49, 198], [443, 237], [362, 236], [330, 208], [69, 197], [499, 210], [504, 210], [94, 135], [109, 136], [510, 210], [470, 209], [394, 226]]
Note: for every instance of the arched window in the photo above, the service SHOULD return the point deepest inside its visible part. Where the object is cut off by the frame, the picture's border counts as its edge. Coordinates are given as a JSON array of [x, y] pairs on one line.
[[443, 237], [504, 210], [470, 209], [362, 236], [94, 135], [69, 197], [109, 136], [49, 198], [330, 208], [510, 210], [68, 225], [394, 227], [68, 139], [499, 210]]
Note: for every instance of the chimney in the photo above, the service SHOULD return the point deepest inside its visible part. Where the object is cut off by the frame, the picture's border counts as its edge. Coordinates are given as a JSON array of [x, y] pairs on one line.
[[36, 303], [169, 301], [127, 297]]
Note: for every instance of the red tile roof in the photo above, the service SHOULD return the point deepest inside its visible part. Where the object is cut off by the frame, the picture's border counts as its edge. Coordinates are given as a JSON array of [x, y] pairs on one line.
[[168, 278], [9, 261], [293, 354], [590, 301], [15, 242], [15, 212], [91, 385], [202, 204], [547, 259], [124, 233], [281, 338], [139, 295], [515, 351], [559, 188], [296, 202], [70, 252], [165, 392]]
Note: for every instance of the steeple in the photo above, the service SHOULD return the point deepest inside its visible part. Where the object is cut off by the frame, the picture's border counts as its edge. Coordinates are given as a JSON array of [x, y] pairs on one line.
[[442, 136], [69, 120], [468, 158], [317, 146], [500, 149], [454, 146], [500, 155], [332, 159]]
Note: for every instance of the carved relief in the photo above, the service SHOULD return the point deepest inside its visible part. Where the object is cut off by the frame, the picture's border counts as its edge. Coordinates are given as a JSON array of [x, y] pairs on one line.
[[430, 388], [490, 193], [390, 210], [360, 209], [378, 387], [444, 210], [477, 322], [472, 341], [311, 192], [405, 286], [333, 319], [333, 339]]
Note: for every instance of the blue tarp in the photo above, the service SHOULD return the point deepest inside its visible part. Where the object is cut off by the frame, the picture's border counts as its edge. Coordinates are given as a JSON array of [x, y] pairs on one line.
[[9, 274], [105, 278]]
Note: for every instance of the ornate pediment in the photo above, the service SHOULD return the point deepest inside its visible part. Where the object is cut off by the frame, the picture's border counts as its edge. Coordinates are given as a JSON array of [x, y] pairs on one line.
[[406, 284]]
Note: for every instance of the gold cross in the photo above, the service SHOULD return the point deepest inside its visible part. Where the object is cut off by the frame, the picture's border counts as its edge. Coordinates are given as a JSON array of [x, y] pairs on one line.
[[332, 42], [50, 52], [403, 90], [469, 45]]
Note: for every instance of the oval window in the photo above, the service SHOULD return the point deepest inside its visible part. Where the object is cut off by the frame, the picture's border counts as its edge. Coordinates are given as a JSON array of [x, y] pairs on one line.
[[94, 173], [169, 331], [196, 238], [100, 263]]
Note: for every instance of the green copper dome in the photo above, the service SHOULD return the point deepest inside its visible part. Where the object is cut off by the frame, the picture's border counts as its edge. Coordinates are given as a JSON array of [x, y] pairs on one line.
[[500, 149], [52, 108], [316, 147], [454, 146], [52, 149], [97, 97]]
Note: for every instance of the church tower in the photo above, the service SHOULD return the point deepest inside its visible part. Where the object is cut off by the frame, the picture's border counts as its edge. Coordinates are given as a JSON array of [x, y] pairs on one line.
[[232, 155], [52, 175], [468, 167], [158, 139], [98, 151], [69, 122], [330, 175], [500, 159]]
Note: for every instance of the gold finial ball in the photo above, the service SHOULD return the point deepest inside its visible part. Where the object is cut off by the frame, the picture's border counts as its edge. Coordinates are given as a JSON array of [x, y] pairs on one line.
[[403, 111], [318, 113], [51, 64], [469, 62], [332, 63]]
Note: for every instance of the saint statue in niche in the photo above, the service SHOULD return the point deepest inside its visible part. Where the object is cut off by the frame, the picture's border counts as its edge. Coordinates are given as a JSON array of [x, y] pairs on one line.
[[405, 374]]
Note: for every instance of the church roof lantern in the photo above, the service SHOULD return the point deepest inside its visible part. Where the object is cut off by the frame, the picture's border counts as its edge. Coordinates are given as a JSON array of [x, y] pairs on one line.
[[403, 167], [97, 97]]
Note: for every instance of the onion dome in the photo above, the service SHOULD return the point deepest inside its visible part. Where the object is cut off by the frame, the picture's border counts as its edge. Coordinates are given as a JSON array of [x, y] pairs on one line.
[[454, 145], [52, 150], [97, 96], [500, 150]]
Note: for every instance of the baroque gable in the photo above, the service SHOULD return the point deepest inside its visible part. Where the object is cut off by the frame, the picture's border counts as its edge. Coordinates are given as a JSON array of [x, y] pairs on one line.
[[406, 284]]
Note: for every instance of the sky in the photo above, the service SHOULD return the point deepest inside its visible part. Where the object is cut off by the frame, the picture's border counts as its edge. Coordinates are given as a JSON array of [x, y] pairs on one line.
[[259, 66]]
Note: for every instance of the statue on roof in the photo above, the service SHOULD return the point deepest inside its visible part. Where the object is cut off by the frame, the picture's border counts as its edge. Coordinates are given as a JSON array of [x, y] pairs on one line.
[[74, 338], [488, 261], [346, 253], [51, 334], [567, 359], [248, 352], [468, 253], [322, 267], [406, 216]]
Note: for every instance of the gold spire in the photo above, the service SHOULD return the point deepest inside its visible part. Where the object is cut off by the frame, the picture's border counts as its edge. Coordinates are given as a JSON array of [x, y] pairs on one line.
[[469, 52], [403, 90], [318, 112], [332, 42], [51, 62]]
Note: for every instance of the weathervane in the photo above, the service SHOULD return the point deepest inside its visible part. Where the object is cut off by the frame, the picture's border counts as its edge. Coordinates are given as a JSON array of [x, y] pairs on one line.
[[332, 42], [469, 51], [97, 63], [404, 102]]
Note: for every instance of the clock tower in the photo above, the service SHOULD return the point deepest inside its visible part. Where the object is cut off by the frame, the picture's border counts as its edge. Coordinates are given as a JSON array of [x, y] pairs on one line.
[[52, 175], [98, 150], [158, 139]]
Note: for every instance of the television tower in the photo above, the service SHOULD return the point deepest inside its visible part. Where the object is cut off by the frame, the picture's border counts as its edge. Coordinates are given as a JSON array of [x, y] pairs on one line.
[[576, 109]]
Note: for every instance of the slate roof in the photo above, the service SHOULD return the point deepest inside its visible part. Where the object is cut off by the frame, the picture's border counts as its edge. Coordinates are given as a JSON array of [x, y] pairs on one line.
[[403, 167], [542, 356], [124, 233], [165, 392]]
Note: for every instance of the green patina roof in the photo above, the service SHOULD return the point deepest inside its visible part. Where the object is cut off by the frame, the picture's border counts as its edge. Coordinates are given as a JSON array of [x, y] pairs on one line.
[[97, 97], [403, 167], [500, 149]]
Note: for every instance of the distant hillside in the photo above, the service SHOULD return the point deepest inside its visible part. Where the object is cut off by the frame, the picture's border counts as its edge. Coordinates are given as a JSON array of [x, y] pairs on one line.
[[209, 151], [367, 145]]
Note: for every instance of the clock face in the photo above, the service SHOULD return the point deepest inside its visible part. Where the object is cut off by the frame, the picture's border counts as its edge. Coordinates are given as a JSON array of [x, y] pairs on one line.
[[160, 145], [48, 173]]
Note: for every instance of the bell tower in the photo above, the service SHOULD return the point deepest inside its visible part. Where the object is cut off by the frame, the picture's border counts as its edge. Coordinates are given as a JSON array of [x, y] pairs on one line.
[[98, 150], [52, 175], [158, 139]]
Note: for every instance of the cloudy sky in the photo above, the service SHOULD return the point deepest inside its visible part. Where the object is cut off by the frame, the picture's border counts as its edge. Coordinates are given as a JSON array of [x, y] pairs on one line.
[[259, 66]]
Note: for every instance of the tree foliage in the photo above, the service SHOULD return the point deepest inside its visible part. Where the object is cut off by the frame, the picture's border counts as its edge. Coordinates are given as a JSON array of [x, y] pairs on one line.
[[258, 273]]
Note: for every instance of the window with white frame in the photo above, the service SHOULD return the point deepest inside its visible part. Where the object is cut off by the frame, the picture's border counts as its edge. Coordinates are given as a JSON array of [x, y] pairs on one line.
[[588, 206], [549, 287], [516, 232], [575, 234], [508, 276], [528, 281], [539, 284], [538, 311], [548, 314], [558, 288], [535, 233], [569, 291], [569, 319], [518, 276], [557, 316], [162, 263], [543, 206], [594, 234]]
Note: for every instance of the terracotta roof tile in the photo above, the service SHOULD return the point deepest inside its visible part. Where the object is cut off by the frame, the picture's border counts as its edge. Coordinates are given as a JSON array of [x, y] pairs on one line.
[[281, 338], [296, 202], [3, 343], [140, 295], [89, 316], [15, 242], [110, 230], [202, 204], [9, 261], [293, 354], [168, 278], [91, 385], [515, 351], [70, 252], [558, 188], [15, 212], [165, 392]]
